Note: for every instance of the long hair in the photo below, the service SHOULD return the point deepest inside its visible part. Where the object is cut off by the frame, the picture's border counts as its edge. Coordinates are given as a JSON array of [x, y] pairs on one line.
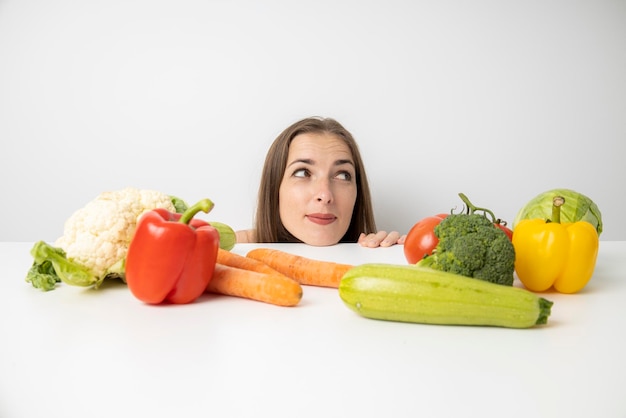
[[269, 227]]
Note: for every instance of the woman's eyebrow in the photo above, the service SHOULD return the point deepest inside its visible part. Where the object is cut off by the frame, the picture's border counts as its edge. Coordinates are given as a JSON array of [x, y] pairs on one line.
[[311, 162], [301, 160], [342, 162]]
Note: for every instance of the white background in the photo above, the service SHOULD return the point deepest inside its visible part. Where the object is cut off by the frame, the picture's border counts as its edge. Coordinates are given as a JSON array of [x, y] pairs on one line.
[[500, 100]]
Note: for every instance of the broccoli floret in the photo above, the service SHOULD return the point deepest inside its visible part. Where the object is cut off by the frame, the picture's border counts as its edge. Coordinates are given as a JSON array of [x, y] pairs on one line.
[[470, 245]]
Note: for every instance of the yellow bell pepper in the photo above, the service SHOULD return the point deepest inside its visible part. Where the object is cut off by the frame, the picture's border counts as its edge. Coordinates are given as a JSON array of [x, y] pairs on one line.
[[549, 253]]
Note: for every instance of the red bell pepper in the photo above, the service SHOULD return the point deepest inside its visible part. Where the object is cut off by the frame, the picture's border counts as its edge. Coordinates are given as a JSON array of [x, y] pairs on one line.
[[172, 257]]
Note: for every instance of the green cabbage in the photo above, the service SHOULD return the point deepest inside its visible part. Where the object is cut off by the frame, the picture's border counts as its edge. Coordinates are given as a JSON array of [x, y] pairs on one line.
[[577, 207]]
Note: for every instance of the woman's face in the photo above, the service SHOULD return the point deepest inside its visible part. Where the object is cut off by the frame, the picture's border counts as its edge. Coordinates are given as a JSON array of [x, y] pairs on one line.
[[318, 190]]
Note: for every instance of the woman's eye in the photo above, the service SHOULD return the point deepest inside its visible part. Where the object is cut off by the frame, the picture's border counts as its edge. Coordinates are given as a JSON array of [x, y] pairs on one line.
[[302, 172], [344, 175]]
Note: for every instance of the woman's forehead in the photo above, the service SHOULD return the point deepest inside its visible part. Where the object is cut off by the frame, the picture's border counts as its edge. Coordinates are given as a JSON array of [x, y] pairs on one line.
[[319, 144]]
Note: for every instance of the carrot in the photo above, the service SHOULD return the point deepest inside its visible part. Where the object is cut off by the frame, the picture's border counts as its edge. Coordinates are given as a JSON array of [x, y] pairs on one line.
[[269, 288], [228, 258], [302, 269]]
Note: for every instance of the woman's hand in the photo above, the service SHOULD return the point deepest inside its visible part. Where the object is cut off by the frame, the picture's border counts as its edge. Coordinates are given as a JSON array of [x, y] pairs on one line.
[[381, 239]]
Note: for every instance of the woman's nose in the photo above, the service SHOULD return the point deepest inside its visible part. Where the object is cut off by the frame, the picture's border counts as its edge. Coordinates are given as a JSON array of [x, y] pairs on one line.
[[323, 193]]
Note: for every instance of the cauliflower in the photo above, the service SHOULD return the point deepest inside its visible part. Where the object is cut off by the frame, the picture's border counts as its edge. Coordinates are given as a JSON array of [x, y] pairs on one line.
[[98, 235], [95, 239]]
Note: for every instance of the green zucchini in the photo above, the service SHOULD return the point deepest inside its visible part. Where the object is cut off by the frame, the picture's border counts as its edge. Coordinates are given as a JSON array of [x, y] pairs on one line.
[[408, 293], [228, 238]]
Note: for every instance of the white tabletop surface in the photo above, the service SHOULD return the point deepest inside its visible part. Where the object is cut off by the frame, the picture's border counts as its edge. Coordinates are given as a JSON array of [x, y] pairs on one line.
[[73, 352]]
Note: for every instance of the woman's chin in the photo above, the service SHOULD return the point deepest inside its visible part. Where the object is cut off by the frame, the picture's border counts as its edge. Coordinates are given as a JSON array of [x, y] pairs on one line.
[[321, 240]]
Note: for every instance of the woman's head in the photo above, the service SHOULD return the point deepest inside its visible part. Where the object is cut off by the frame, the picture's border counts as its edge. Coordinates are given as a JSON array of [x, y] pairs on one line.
[[313, 187]]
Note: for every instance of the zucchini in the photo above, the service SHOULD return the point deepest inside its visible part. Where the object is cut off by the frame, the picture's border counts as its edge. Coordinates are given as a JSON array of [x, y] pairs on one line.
[[228, 238], [407, 293]]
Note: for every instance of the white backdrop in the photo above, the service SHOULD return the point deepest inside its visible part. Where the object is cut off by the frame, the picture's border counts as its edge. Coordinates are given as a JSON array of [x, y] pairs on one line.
[[498, 99]]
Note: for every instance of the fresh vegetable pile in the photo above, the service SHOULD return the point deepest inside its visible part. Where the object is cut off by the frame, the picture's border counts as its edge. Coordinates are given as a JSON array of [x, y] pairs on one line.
[[461, 266], [553, 244], [97, 241], [153, 243]]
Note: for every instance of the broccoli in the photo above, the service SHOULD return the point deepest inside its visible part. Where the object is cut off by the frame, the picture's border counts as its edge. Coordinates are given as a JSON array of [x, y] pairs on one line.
[[470, 245]]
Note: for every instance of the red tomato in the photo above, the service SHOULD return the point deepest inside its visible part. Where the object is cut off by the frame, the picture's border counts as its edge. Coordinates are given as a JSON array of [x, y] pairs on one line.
[[502, 225], [421, 239]]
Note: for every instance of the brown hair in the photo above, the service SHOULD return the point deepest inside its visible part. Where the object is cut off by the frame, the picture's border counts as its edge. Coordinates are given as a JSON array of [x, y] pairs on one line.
[[269, 227]]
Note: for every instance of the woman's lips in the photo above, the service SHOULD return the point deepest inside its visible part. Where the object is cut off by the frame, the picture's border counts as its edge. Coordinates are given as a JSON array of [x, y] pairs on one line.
[[321, 218]]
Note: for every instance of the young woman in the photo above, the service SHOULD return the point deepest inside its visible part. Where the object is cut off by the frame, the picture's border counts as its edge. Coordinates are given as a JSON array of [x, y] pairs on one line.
[[314, 190]]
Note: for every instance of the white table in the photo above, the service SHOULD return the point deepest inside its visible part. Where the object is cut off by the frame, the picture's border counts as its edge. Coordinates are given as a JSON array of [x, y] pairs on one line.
[[73, 352]]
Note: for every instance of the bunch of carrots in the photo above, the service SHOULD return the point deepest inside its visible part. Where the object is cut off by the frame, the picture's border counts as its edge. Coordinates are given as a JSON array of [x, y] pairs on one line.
[[272, 276]]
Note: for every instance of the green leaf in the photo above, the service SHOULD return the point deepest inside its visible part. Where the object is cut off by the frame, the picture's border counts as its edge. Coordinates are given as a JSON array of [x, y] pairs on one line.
[[42, 276], [179, 204], [48, 258]]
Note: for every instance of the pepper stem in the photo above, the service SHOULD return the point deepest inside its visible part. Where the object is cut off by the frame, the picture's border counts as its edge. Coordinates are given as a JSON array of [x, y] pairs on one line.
[[471, 209], [205, 205], [557, 202]]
